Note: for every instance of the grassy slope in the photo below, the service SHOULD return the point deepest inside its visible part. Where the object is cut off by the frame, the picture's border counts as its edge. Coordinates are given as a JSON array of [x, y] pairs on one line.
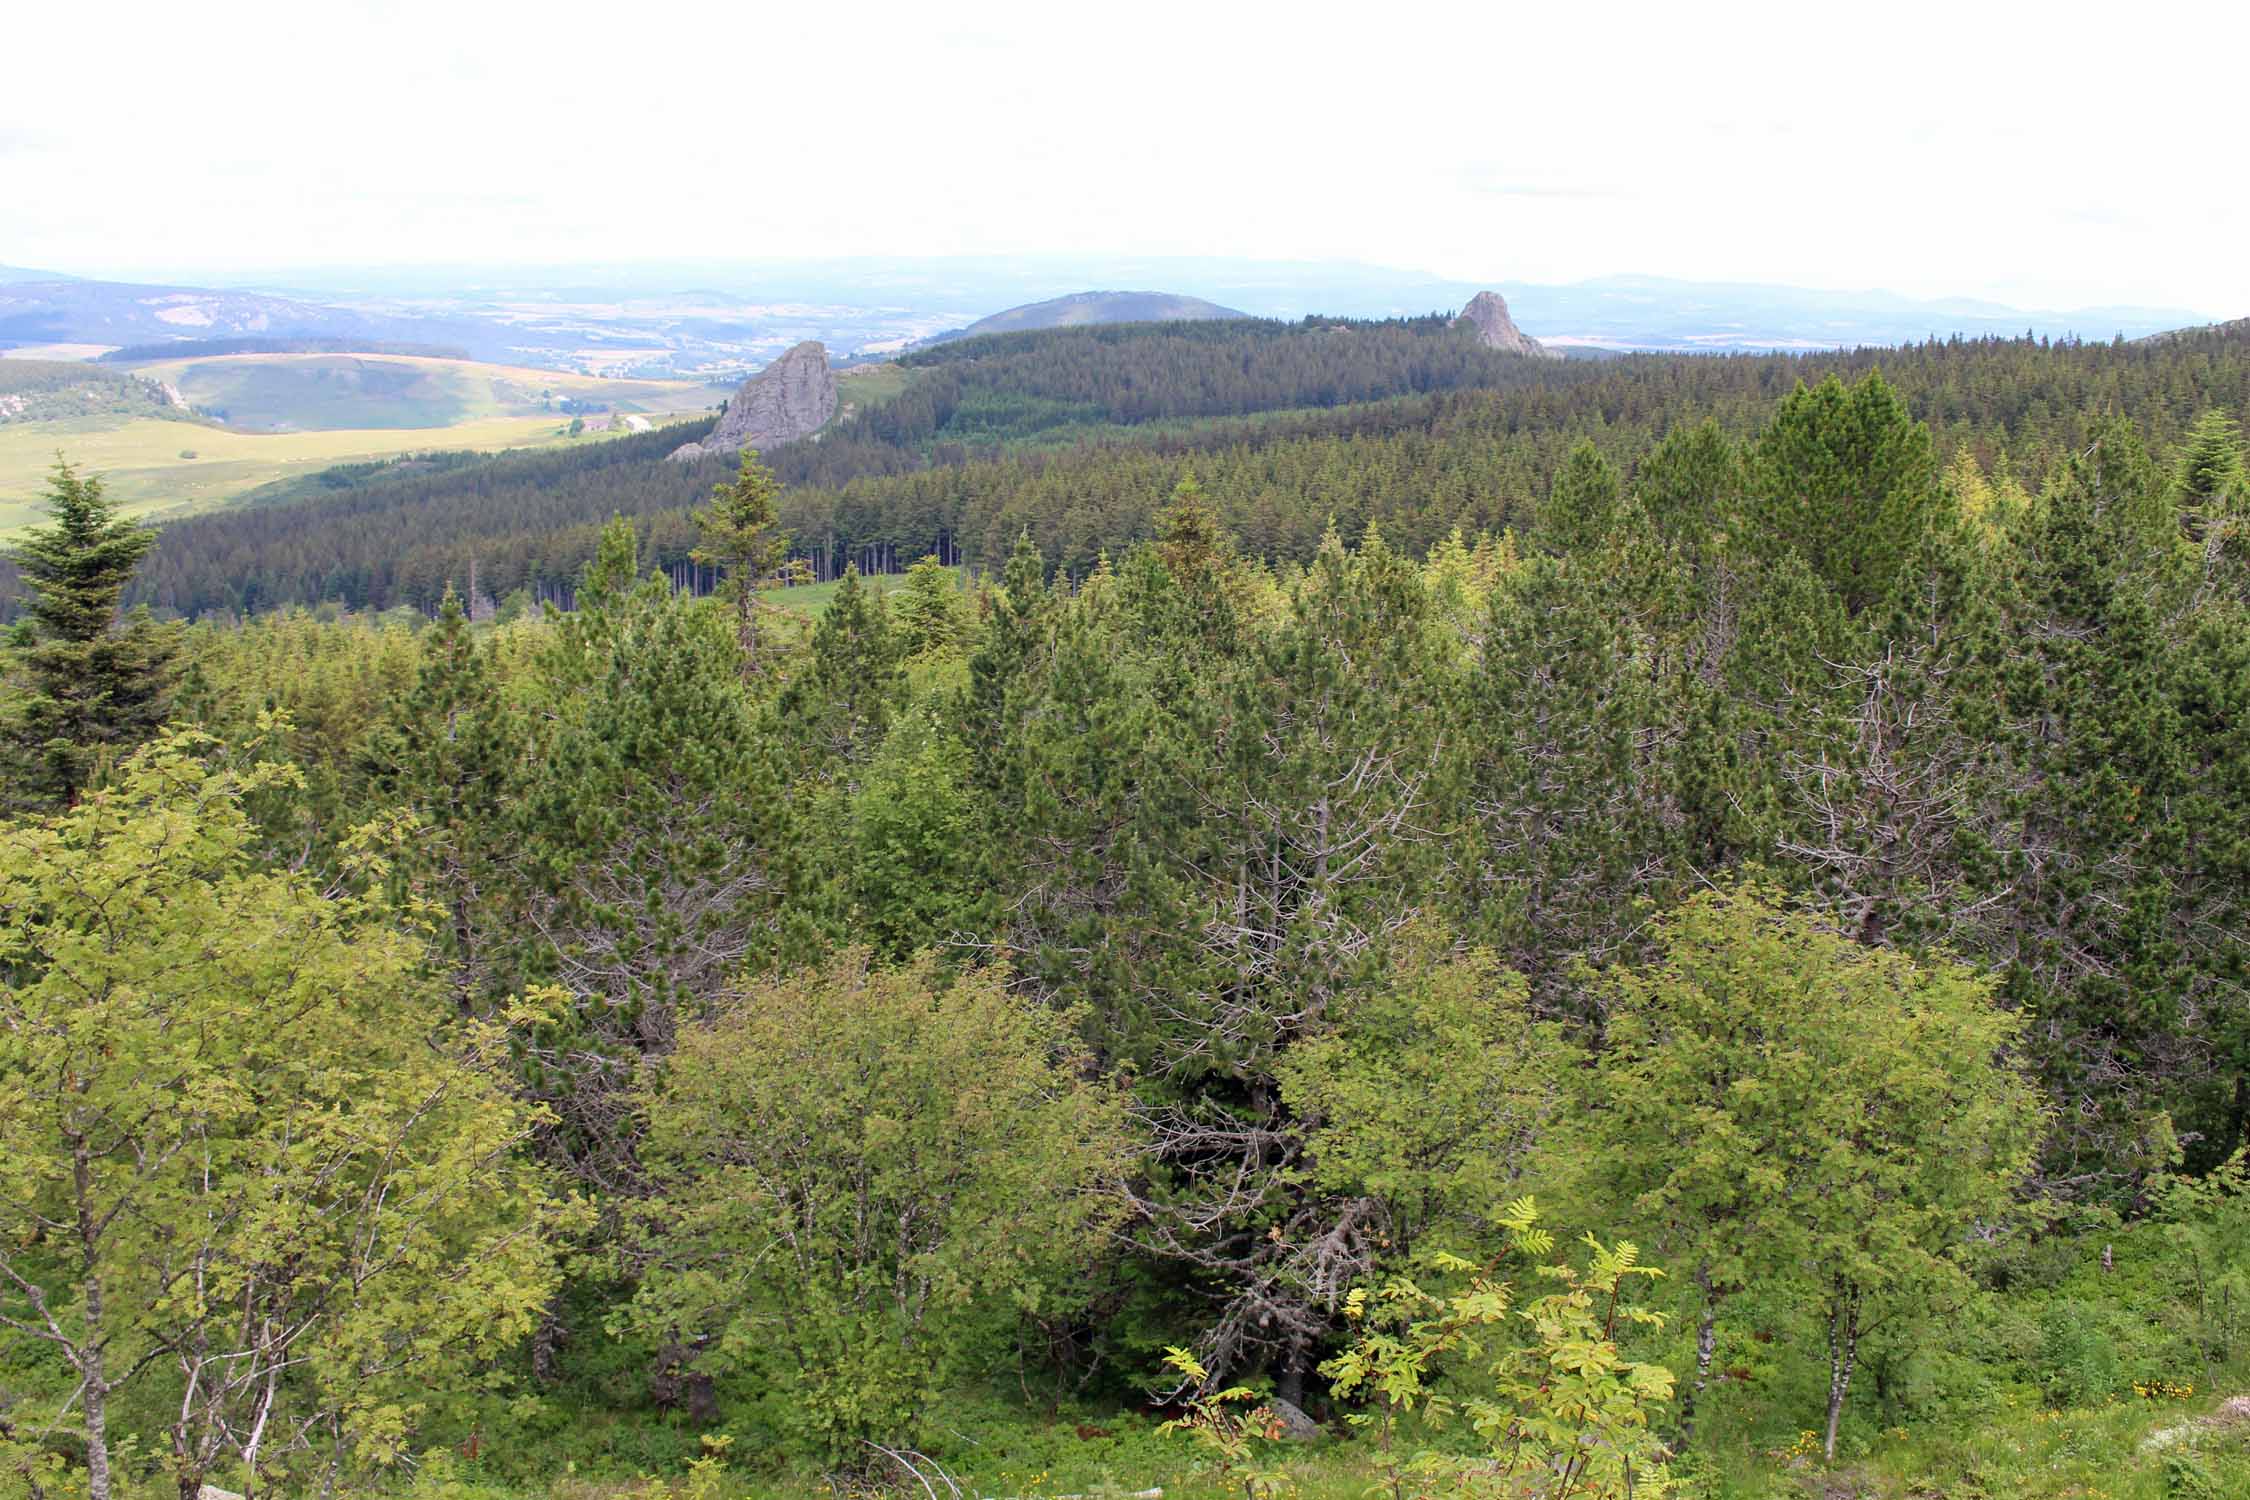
[[352, 407], [869, 385], [142, 463], [357, 391]]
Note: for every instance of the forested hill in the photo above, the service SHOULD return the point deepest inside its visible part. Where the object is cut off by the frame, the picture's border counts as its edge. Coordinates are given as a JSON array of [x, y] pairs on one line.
[[1815, 856], [1015, 387], [928, 472], [1081, 308]]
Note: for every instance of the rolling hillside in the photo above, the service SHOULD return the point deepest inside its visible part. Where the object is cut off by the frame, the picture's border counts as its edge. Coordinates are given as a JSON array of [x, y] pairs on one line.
[[326, 392], [287, 415]]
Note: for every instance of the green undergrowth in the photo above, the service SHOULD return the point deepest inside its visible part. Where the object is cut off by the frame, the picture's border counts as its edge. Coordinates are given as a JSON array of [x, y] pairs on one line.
[[2128, 1448]]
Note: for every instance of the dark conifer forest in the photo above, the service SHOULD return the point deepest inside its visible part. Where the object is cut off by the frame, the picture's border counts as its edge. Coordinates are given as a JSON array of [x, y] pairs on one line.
[[1237, 908]]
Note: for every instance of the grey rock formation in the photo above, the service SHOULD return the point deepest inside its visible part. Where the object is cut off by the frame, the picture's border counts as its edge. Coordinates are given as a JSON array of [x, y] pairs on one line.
[[1295, 1426], [1487, 313], [791, 398]]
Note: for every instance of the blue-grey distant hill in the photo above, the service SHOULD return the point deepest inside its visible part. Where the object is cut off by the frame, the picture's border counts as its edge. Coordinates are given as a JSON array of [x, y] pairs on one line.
[[1080, 308], [2234, 326], [134, 314]]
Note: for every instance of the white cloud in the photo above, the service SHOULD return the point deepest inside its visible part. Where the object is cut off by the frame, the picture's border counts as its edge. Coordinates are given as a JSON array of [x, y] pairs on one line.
[[2042, 155]]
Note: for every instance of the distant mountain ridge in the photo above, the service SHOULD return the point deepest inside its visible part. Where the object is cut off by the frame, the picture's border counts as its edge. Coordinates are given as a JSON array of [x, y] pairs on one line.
[[2231, 327], [1081, 308], [131, 313]]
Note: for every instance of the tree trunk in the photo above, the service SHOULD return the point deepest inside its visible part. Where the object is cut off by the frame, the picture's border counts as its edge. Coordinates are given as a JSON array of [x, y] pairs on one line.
[[1706, 1343], [1843, 1353], [1290, 1384], [91, 1368], [97, 1430]]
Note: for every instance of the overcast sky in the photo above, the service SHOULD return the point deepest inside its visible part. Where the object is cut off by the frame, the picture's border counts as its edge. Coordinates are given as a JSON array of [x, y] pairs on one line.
[[2049, 155]]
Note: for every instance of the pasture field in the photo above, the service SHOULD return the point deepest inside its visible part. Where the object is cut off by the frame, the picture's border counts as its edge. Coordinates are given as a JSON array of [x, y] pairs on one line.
[[357, 392], [811, 599], [869, 385], [294, 414], [151, 465]]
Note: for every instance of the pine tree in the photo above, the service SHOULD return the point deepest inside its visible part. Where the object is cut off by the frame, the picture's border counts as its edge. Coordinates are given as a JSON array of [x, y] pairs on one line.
[[657, 843], [2121, 886], [1572, 794], [926, 612], [1847, 479], [740, 534], [839, 706], [1293, 812], [94, 690], [1582, 509], [1199, 557], [1018, 632], [450, 755]]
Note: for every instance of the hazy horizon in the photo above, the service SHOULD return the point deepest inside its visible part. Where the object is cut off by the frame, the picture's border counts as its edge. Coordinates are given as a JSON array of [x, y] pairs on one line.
[[1937, 156]]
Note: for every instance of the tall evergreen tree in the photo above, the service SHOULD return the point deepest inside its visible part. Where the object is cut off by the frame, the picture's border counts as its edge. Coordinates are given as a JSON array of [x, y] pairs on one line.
[[739, 532], [926, 612], [1846, 478], [1582, 507], [657, 842], [1018, 634], [451, 756], [93, 690], [839, 705], [1571, 790], [2122, 907], [2208, 479], [1302, 821]]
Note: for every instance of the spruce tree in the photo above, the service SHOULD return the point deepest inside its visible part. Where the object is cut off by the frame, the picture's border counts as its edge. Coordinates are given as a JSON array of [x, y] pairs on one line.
[[2208, 484], [926, 613], [93, 690]]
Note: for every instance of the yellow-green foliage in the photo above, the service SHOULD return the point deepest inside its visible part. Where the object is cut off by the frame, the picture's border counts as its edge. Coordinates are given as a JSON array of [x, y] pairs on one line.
[[1557, 1407], [238, 1164], [861, 1176], [1429, 1092], [1794, 1109]]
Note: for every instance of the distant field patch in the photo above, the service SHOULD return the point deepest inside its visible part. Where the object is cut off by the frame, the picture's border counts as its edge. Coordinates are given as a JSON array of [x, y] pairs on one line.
[[57, 351], [145, 465], [811, 599], [869, 385], [285, 393]]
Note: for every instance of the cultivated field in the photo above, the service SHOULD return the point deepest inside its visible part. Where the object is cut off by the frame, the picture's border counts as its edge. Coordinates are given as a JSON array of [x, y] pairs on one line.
[[292, 414], [152, 465], [307, 392]]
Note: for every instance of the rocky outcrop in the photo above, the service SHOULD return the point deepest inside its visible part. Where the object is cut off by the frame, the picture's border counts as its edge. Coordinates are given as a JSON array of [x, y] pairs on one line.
[[1290, 1422], [1487, 314], [791, 398]]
